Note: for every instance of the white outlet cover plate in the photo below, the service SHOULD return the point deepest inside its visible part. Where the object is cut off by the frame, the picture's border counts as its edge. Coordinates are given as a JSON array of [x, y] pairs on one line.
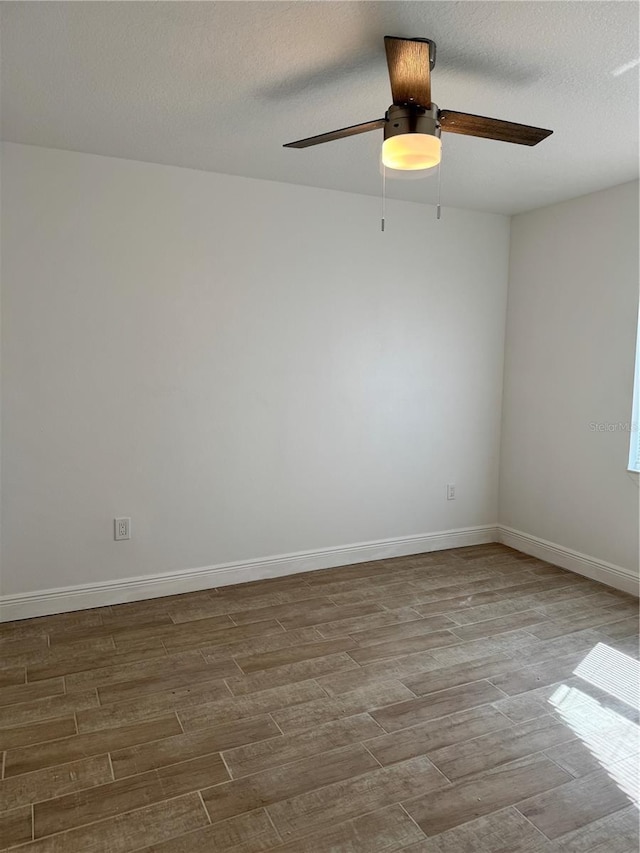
[[121, 528]]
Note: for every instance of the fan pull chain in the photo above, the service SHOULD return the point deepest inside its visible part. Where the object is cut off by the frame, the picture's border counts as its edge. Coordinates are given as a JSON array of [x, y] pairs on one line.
[[384, 195], [438, 207]]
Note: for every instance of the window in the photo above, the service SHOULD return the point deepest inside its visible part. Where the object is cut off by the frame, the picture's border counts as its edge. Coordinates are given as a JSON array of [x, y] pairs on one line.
[[634, 449]]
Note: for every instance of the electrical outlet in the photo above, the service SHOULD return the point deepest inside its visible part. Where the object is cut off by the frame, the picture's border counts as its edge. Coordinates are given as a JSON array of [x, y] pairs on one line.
[[451, 491], [122, 528]]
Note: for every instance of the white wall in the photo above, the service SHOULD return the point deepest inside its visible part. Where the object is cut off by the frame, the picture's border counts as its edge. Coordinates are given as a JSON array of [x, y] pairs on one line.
[[571, 332], [243, 367]]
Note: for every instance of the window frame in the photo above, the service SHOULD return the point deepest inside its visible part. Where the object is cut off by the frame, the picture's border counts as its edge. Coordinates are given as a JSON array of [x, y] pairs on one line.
[[634, 441]]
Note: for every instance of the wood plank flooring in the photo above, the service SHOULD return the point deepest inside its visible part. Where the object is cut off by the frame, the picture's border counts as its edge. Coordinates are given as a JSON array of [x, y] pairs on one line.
[[467, 700]]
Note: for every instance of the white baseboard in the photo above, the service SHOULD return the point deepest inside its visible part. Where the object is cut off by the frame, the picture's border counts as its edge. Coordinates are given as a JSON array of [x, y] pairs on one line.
[[84, 596], [65, 599], [566, 558]]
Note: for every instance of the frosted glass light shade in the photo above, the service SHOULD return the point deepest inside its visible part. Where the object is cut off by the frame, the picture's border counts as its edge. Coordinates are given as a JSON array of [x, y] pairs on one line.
[[409, 151]]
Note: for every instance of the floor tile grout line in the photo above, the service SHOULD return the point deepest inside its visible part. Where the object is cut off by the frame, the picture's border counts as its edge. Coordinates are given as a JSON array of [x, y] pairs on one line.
[[454, 687], [543, 836], [180, 761], [306, 836], [369, 812], [415, 823], [196, 670], [324, 690], [227, 768], [61, 832], [275, 828], [468, 779], [493, 813], [206, 810], [497, 687], [232, 695], [554, 787], [275, 722], [378, 762], [68, 737], [117, 778], [40, 742], [541, 753], [293, 761], [91, 669], [450, 613], [444, 717]]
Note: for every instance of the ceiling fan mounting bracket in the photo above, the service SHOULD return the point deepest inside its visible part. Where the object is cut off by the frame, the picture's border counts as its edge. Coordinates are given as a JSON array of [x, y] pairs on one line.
[[410, 119]]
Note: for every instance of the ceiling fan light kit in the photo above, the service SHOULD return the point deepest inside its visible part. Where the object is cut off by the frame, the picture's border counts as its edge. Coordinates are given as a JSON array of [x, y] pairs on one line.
[[411, 138], [413, 123]]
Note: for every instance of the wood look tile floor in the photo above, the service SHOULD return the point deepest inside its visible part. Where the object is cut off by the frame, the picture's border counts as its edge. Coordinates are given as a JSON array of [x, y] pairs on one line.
[[467, 700]]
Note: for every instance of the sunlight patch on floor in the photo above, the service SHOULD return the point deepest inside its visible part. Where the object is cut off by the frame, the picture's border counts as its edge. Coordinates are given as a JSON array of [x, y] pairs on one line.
[[612, 671], [612, 738]]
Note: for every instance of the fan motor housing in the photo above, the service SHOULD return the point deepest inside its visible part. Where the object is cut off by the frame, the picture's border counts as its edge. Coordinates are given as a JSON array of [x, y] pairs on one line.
[[410, 119]]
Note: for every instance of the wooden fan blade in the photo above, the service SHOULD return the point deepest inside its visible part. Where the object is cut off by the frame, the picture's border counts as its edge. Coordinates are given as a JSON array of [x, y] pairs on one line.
[[409, 70], [491, 128], [337, 134]]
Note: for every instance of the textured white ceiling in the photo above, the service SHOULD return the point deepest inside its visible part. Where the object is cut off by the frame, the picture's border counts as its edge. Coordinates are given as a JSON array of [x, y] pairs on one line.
[[221, 86]]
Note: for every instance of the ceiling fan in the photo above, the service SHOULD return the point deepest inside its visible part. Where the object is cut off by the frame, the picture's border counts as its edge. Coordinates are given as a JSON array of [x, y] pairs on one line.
[[413, 123]]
